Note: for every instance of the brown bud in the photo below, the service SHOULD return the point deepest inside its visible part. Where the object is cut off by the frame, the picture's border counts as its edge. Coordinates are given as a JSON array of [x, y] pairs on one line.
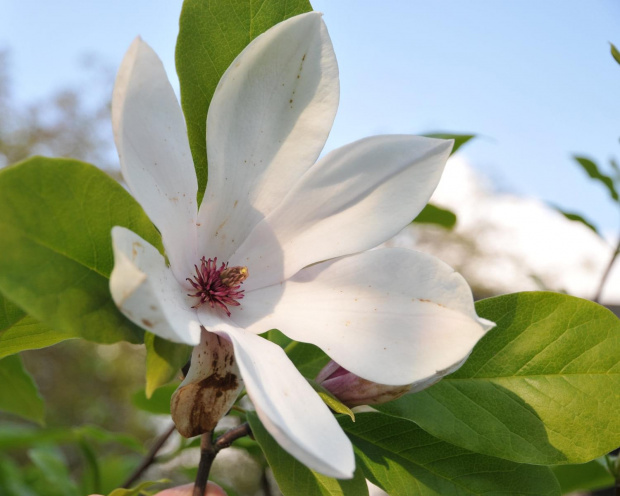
[[210, 388]]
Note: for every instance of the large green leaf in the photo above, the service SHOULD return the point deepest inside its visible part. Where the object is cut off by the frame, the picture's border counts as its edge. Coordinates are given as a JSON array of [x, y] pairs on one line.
[[401, 458], [431, 214], [593, 171], [18, 393], [164, 360], [294, 478], [55, 218], [542, 387], [584, 477], [211, 34], [19, 332]]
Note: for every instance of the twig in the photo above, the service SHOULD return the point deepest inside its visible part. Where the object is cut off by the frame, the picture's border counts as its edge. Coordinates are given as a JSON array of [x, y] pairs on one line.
[[207, 455], [226, 439], [601, 285], [149, 458], [210, 449]]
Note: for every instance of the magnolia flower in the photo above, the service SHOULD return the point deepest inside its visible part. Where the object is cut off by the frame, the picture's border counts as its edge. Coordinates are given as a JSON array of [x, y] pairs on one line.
[[280, 241]]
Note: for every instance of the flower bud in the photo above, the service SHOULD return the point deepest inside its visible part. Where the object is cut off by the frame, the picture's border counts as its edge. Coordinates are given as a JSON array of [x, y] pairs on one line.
[[210, 388], [352, 390]]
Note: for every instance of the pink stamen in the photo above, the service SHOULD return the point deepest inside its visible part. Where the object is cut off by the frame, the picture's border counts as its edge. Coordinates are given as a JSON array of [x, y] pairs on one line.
[[212, 288]]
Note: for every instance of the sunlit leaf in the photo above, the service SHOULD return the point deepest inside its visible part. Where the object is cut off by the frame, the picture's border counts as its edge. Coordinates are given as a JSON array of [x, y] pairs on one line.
[[331, 401], [56, 216], [403, 460], [19, 332], [593, 171], [541, 387], [294, 478], [164, 360], [432, 214], [459, 139], [18, 393], [211, 34]]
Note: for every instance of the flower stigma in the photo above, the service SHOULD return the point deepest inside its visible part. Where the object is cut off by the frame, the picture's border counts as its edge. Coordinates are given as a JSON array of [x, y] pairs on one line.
[[218, 286]]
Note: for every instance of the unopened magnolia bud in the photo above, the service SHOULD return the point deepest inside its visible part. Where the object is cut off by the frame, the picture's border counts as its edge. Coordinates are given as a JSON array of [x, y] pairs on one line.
[[352, 390], [210, 388]]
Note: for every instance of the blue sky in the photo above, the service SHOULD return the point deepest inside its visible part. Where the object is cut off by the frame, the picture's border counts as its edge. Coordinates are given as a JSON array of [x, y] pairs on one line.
[[533, 79]]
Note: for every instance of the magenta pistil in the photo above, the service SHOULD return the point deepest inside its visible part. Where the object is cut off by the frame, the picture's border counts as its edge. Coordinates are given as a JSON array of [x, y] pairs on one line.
[[217, 286]]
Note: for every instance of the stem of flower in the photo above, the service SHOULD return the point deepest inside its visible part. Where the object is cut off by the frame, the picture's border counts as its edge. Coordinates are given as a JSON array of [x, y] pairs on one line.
[[210, 449], [601, 285], [207, 455], [149, 458]]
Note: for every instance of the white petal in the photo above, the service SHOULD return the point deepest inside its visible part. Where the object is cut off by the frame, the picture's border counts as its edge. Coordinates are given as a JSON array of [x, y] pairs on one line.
[[354, 199], [287, 405], [146, 291], [152, 144], [392, 316], [267, 123]]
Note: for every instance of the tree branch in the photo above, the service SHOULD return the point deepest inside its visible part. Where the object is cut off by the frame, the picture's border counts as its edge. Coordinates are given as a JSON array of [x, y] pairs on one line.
[[601, 285], [149, 458]]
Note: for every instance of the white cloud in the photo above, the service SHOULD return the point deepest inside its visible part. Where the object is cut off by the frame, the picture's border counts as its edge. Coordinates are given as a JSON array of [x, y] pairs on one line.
[[504, 243]]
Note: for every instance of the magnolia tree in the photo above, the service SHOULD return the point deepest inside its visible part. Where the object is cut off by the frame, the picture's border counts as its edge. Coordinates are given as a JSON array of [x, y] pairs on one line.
[[243, 260]]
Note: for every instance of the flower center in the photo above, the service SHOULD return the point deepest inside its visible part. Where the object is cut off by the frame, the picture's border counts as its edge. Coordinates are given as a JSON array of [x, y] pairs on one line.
[[217, 286]]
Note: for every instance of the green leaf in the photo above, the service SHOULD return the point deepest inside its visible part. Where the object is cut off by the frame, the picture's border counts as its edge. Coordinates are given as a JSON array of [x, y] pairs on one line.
[[53, 466], [592, 170], [164, 360], [584, 477], [615, 53], [542, 387], [137, 490], [211, 34], [19, 332], [19, 394], [331, 401], [459, 139], [294, 478], [431, 214], [403, 460], [55, 217], [308, 358], [577, 218], [158, 403], [12, 479]]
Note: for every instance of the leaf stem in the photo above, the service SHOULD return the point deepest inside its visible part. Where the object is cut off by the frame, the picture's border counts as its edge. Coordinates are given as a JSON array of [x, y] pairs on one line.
[[601, 285], [149, 458]]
